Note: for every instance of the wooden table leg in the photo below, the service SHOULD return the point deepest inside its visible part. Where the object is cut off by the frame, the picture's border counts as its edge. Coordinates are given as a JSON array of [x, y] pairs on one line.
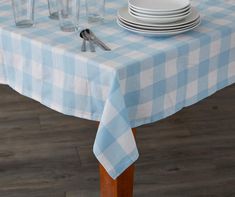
[[121, 187]]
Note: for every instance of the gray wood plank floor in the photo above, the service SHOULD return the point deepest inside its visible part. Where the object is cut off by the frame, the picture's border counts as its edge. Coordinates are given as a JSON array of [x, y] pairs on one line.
[[46, 154]]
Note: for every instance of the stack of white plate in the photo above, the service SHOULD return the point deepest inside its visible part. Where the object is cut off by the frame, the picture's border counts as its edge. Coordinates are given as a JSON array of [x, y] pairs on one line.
[[158, 17]]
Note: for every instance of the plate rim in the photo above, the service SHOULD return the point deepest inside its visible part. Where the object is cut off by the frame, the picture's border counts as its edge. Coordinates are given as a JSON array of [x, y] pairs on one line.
[[160, 13], [158, 28], [187, 2], [169, 30], [160, 16], [160, 20], [159, 33], [134, 20]]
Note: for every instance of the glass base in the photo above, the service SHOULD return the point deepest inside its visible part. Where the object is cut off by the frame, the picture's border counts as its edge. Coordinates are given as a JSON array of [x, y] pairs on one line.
[[54, 16], [24, 23], [95, 18], [67, 28]]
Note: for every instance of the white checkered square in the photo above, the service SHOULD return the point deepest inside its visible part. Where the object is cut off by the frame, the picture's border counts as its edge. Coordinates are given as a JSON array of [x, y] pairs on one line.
[[222, 21], [214, 9], [136, 55], [172, 99], [109, 113], [168, 103], [192, 89], [215, 48], [144, 110], [212, 78], [81, 86], [58, 78], [126, 141], [17, 61], [146, 78], [194, 58], [171, 68], [105, 162], [37, 72]]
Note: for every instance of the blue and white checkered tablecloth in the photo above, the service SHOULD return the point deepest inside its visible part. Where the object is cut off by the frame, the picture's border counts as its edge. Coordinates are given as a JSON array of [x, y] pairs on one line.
[[142, 80]]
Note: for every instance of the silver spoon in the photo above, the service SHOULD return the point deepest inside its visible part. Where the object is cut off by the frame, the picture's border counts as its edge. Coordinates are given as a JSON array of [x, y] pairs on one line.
[[97, 40]]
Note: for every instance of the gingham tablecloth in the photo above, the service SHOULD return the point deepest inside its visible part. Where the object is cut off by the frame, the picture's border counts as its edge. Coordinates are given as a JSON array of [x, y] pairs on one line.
[[142, 80]]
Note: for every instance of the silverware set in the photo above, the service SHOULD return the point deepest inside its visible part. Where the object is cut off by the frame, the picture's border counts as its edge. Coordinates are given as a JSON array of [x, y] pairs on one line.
[[88, 36]]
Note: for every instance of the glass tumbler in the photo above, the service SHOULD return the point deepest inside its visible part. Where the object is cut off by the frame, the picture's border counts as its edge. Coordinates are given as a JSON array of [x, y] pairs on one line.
[[68, 14], [53, 11], [95, 10], [23, 11]]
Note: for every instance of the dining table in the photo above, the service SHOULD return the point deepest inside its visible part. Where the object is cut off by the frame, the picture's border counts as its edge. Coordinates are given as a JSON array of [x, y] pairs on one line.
[[143, 79]]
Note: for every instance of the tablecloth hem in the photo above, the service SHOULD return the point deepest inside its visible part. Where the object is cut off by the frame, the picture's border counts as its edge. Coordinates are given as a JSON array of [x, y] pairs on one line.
[[127, 162], [97, 117], [87, 116], [135, 124]]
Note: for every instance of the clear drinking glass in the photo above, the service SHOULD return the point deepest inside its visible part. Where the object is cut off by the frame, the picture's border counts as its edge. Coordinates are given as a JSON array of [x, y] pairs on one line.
[[68, 14], [95, 10], [53, 11], [23, 11]]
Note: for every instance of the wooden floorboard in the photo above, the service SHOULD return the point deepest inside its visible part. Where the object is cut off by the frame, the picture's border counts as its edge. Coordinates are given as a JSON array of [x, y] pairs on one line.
[[47, 154]]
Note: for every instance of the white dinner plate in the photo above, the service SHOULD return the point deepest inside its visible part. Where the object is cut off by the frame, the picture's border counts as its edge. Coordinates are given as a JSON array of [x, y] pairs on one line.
[[124, 14], [160, 13], [157, 33], [159, 19], [154, 28], [159, 5], [144, 28], [158, 16]]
